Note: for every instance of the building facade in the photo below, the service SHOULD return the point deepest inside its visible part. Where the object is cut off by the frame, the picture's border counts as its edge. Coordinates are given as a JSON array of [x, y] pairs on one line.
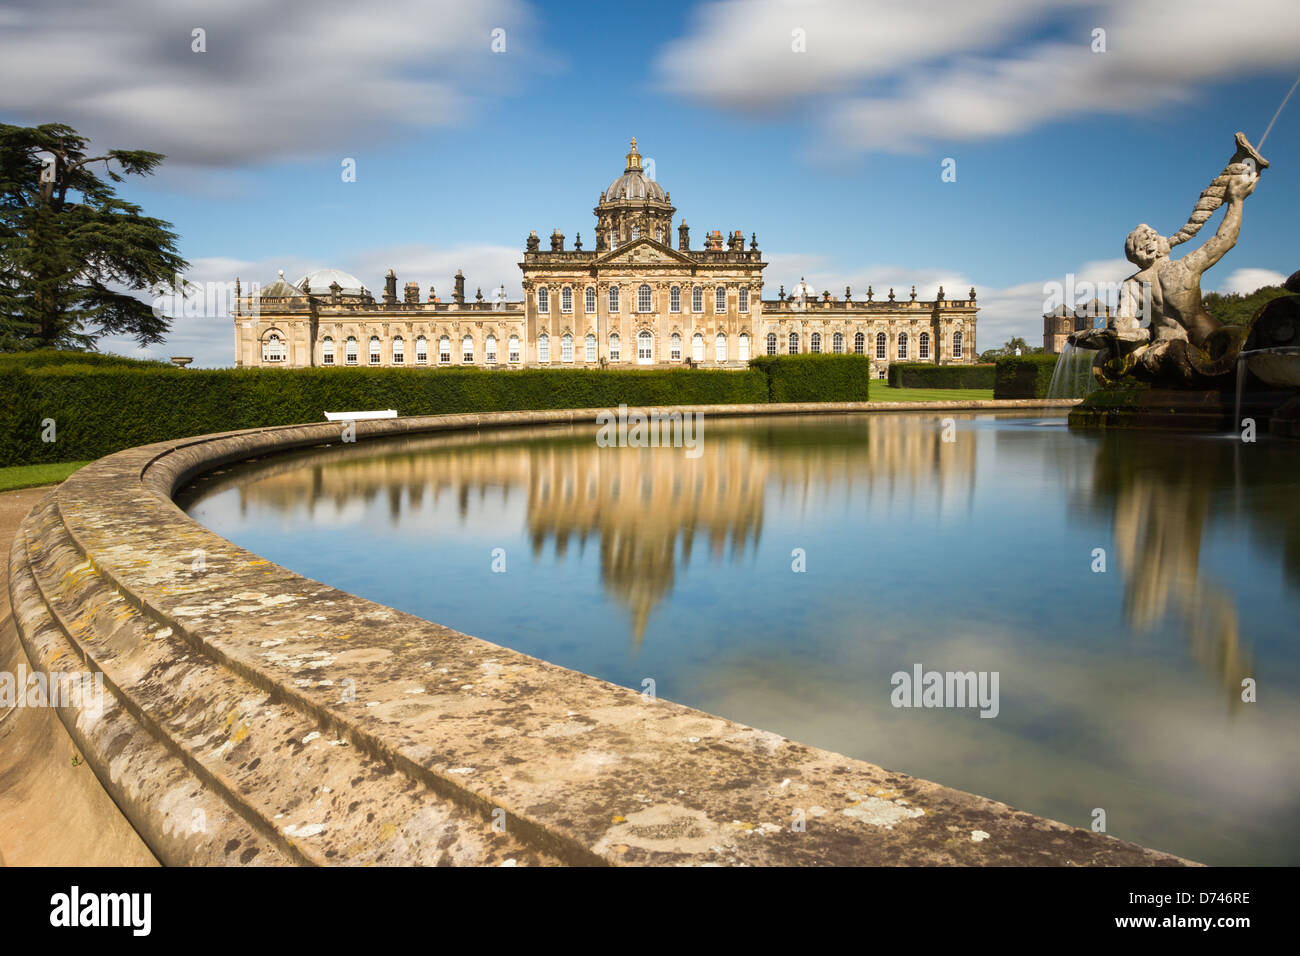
[[636, 299]]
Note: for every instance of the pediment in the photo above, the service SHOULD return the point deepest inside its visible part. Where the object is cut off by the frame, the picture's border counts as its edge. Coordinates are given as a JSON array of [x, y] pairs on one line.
[[644, 252]]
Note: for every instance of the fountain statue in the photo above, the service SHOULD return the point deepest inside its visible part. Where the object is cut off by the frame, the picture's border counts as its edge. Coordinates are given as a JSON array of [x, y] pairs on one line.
[[1181, 345]]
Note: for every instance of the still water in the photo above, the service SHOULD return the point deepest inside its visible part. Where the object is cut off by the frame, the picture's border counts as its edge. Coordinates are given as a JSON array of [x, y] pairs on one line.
[[1119, 689]]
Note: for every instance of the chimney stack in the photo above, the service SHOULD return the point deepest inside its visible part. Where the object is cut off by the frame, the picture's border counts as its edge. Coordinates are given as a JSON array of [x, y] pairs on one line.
[[459, 295]]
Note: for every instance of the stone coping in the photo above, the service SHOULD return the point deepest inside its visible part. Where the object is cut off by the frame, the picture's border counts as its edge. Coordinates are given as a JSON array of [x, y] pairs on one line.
[[254, 716]]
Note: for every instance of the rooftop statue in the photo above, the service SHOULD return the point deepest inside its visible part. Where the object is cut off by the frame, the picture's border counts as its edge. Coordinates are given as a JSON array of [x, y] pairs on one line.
[[1181, 344]]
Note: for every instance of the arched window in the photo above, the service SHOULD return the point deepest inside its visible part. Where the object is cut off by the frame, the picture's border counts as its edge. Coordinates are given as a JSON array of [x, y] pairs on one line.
[[742, 302], [512, 348], [794, 343], [421, 350], [771, 343], [566, 299], [399, 350], [859, 343], [643, 299], [327, 351], [350, 350], [697, 347], [645, 348], [902, 345], [675, 347], [444, 350], [273, 350], [613, 239], [837, 343], [613, 298], [816, 343], [956, 345], [742, 348], [720, 299], [923, 346], [697, 299], [636, 232], [490, 350], [543, 299], [589, 346], [720, 348], [374, 350], [566, 347], [590, 296], [467, 349], [881, 345], [659, 233], [615, 348], [675, 299], [543, 348]]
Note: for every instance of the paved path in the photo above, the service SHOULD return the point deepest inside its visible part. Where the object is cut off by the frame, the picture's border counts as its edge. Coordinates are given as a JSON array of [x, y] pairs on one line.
[[52, 812]]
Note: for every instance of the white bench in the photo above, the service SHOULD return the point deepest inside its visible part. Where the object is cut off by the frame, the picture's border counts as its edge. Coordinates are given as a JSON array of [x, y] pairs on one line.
[[359, 416]]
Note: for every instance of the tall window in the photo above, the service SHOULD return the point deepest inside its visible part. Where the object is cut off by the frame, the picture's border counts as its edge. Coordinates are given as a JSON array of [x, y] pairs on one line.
[[421, 351], [399, 350], [771, 343], [643, 299], [743, 299], [613, 298], [444, 350], [720, 299], [675, 347], [859, 343], [566, 347], [374, 350], [327, 351], [490, 350], [675, 299], [590, 296], [697, 347], [273, 350], [659, 233], [636, 232], [615, 348], [543, 299], [816, 342], [350, 350], [543, 348], [589, 346], [512, 347], [613, 239], [881, 345], [742, 348], [923, 346], [794, 343], [697, 299], [645, 347], [566, 299], [467, 349], [720, 347], [837, 344], [956, 345], [902, 345]]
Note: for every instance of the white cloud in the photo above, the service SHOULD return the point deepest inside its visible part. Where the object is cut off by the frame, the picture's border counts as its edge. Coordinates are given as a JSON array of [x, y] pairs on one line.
[[1246, 281], [278, 78], [892, 77]]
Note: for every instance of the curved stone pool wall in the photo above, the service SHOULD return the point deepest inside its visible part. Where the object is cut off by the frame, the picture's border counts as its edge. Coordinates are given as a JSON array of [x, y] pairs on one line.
[[254, 716]]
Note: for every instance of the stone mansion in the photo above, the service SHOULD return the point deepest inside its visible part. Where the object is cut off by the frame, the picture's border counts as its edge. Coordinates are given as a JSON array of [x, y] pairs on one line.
[[634, 300]]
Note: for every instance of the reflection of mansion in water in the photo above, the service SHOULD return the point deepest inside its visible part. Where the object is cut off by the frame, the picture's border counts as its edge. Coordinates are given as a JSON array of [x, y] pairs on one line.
[[650, 508], [634, 299]]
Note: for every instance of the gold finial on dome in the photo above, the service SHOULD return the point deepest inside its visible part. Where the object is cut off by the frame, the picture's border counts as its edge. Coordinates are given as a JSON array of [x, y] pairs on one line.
[[633, 158]]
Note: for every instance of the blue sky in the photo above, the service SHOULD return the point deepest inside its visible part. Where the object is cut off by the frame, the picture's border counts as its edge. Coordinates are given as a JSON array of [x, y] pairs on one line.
[[831, 153]]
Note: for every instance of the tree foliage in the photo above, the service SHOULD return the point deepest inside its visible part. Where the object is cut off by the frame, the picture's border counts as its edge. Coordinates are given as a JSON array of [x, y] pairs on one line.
[[71, 251], [1233, 308]]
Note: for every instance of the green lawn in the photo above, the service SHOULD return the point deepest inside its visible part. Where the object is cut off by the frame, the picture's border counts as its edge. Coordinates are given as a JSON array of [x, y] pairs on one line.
[[881, 392], [30, 476]]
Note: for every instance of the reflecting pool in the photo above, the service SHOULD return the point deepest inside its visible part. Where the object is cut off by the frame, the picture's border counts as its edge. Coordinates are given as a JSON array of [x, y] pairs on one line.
[[1122, 586]]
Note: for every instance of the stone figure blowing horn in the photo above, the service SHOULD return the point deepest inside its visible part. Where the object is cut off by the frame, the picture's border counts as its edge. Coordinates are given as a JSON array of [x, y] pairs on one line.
[[1244, 160]]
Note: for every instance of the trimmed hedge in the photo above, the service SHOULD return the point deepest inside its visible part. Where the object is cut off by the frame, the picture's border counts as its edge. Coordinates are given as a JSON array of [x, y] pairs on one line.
[[815, 378], [1023, 376], [929, 375]]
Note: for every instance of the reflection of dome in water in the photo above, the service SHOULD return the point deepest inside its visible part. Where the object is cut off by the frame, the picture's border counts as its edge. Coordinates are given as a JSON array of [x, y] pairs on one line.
[[321, 279]]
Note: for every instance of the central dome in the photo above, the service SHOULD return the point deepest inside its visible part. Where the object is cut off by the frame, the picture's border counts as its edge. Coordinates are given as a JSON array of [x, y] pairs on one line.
[[634, 183], [320, 280]]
